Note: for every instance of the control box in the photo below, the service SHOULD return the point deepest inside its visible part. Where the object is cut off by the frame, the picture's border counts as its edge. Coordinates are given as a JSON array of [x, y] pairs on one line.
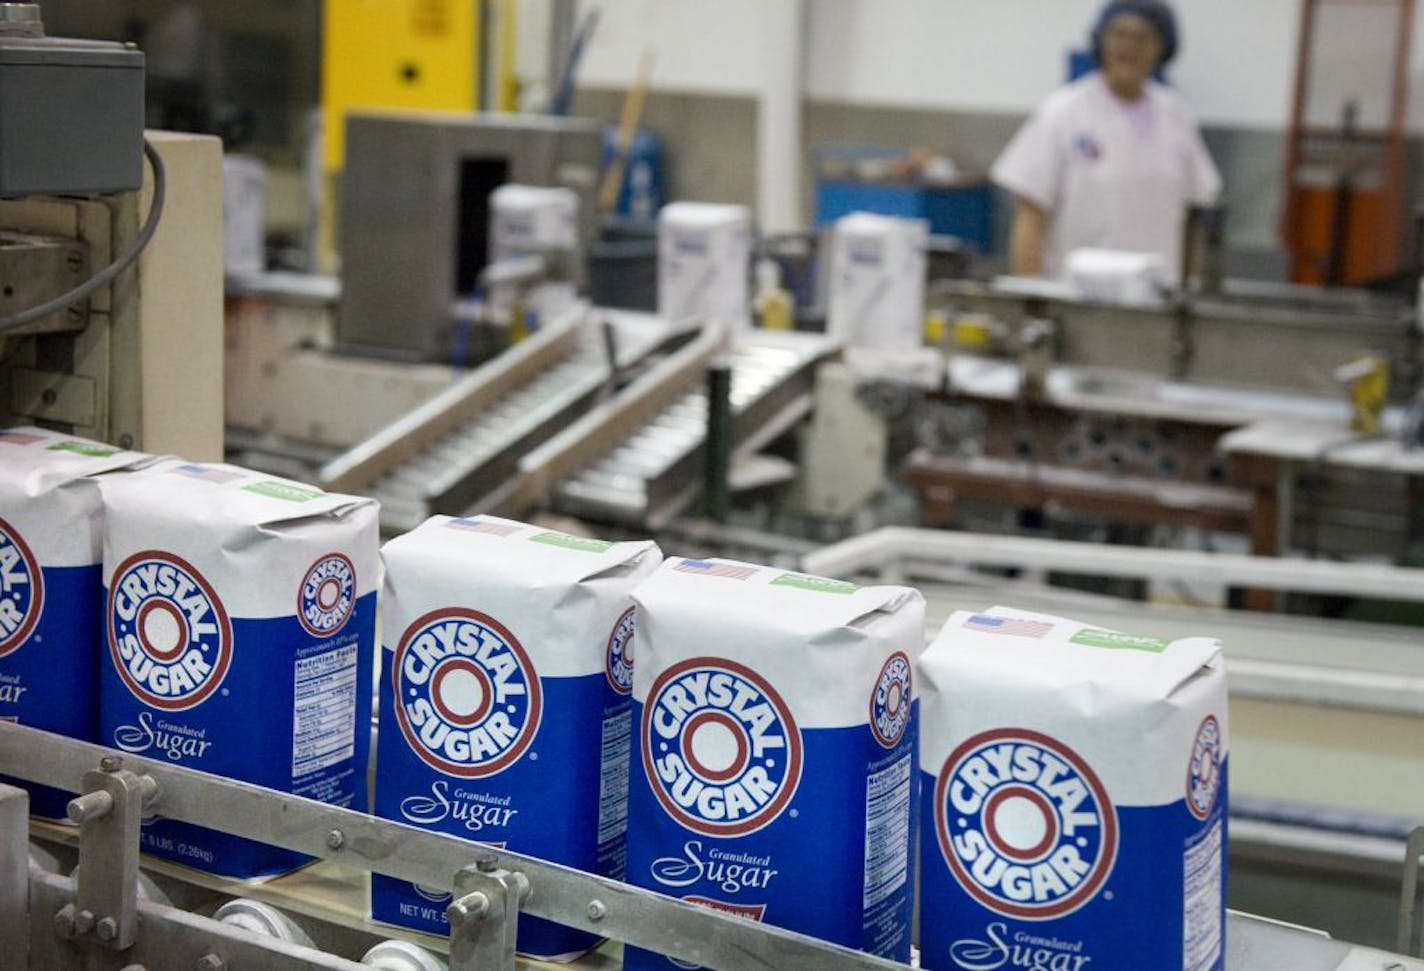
[[71, 116]]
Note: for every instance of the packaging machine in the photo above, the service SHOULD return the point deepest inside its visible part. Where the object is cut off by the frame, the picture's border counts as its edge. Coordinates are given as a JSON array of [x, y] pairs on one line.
[[618, 432]]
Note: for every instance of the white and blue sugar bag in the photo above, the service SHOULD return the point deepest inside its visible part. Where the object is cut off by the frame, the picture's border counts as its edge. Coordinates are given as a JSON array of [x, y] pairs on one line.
[[51, 584], [240, 616], [775, 764], [506, 671], [1074, 797]]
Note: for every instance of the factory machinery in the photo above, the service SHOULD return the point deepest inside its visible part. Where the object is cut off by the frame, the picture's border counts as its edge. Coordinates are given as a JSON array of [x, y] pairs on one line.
[[614, 468], [1188, 412], [463, 445], [505, 437], [614, 423], [611, 416], [1287, 415]]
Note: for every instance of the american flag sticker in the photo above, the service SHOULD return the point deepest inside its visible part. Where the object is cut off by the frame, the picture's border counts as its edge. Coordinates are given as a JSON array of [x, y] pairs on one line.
[[203, 472], [19, 438], [482, 526], [710, 568], [1016, 626]]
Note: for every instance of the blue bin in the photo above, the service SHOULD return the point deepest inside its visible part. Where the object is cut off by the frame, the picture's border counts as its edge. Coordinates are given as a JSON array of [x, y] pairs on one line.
[[644, 187], [963, 211]]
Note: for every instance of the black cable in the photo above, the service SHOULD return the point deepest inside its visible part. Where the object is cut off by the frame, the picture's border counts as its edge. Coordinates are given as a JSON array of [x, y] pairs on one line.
[[105, 276]]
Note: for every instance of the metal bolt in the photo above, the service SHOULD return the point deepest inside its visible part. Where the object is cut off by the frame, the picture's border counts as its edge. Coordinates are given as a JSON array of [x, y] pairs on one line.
[[74, 260], [469, 908], [84, 922], [49, 396], [111, 763], [64, 921], [519, 883], [597, 910], [147, 788], [89, 807], [209, 962], [486, 863], [107, 929], [126, 440], [335, 839]]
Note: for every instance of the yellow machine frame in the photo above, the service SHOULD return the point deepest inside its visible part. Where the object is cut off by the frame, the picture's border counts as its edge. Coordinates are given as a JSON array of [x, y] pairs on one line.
[[395, 54], [407, 54]]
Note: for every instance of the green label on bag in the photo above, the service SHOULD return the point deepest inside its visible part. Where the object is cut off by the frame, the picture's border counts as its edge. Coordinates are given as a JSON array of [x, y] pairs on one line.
[[815, 584], [578, 543], [1120, 642], [84, 448], [284, 491]]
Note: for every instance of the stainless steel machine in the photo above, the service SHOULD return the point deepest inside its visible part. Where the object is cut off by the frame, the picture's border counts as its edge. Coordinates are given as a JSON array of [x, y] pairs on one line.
[[415, 216], [1245, 410], [1246, 335], [316, 365], [461, 449]]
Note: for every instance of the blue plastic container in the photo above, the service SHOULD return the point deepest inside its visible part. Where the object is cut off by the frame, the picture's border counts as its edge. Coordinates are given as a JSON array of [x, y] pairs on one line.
[[644, 187]]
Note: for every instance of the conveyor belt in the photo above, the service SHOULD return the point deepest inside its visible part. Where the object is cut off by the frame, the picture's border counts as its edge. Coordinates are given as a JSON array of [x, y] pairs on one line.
[[327, 902], [446, 455], [474, 458], [644, 466]]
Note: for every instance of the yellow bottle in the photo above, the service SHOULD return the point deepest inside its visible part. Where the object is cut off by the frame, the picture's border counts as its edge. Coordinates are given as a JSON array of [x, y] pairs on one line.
[[774, 306]]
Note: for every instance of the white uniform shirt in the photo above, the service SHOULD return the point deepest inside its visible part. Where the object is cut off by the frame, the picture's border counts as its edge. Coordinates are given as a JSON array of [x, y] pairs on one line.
[[1107, 181]]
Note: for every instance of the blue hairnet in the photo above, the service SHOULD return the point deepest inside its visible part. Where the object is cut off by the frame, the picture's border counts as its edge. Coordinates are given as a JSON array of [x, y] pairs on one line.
[[1155, 12]]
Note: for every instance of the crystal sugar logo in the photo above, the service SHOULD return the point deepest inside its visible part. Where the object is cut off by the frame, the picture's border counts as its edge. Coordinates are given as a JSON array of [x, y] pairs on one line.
[[1204, 768], [327, 595], [720, 747], [1024, 824], [169, 636], [618, 659], [890, 701], [21, 589], [467, 698]]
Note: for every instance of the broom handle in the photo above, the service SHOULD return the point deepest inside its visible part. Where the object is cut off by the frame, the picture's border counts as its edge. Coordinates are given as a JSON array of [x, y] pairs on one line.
[[627, 128]]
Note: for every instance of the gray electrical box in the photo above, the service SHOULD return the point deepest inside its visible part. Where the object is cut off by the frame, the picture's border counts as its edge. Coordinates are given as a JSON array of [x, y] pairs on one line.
[[71, 117]]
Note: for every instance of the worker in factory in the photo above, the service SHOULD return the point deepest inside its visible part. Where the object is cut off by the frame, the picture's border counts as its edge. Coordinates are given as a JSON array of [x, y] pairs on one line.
[[1112, 160]]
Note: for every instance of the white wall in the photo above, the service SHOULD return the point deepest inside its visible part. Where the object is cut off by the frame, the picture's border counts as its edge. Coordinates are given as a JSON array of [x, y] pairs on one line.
[[1002, 56], [1005, 55], [701, 46], [956, 54]]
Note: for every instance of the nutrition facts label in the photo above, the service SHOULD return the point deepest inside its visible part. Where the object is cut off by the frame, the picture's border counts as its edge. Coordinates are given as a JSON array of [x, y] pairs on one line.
[[887, 831], [1201, 918], [613, 777], [323, 725]]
